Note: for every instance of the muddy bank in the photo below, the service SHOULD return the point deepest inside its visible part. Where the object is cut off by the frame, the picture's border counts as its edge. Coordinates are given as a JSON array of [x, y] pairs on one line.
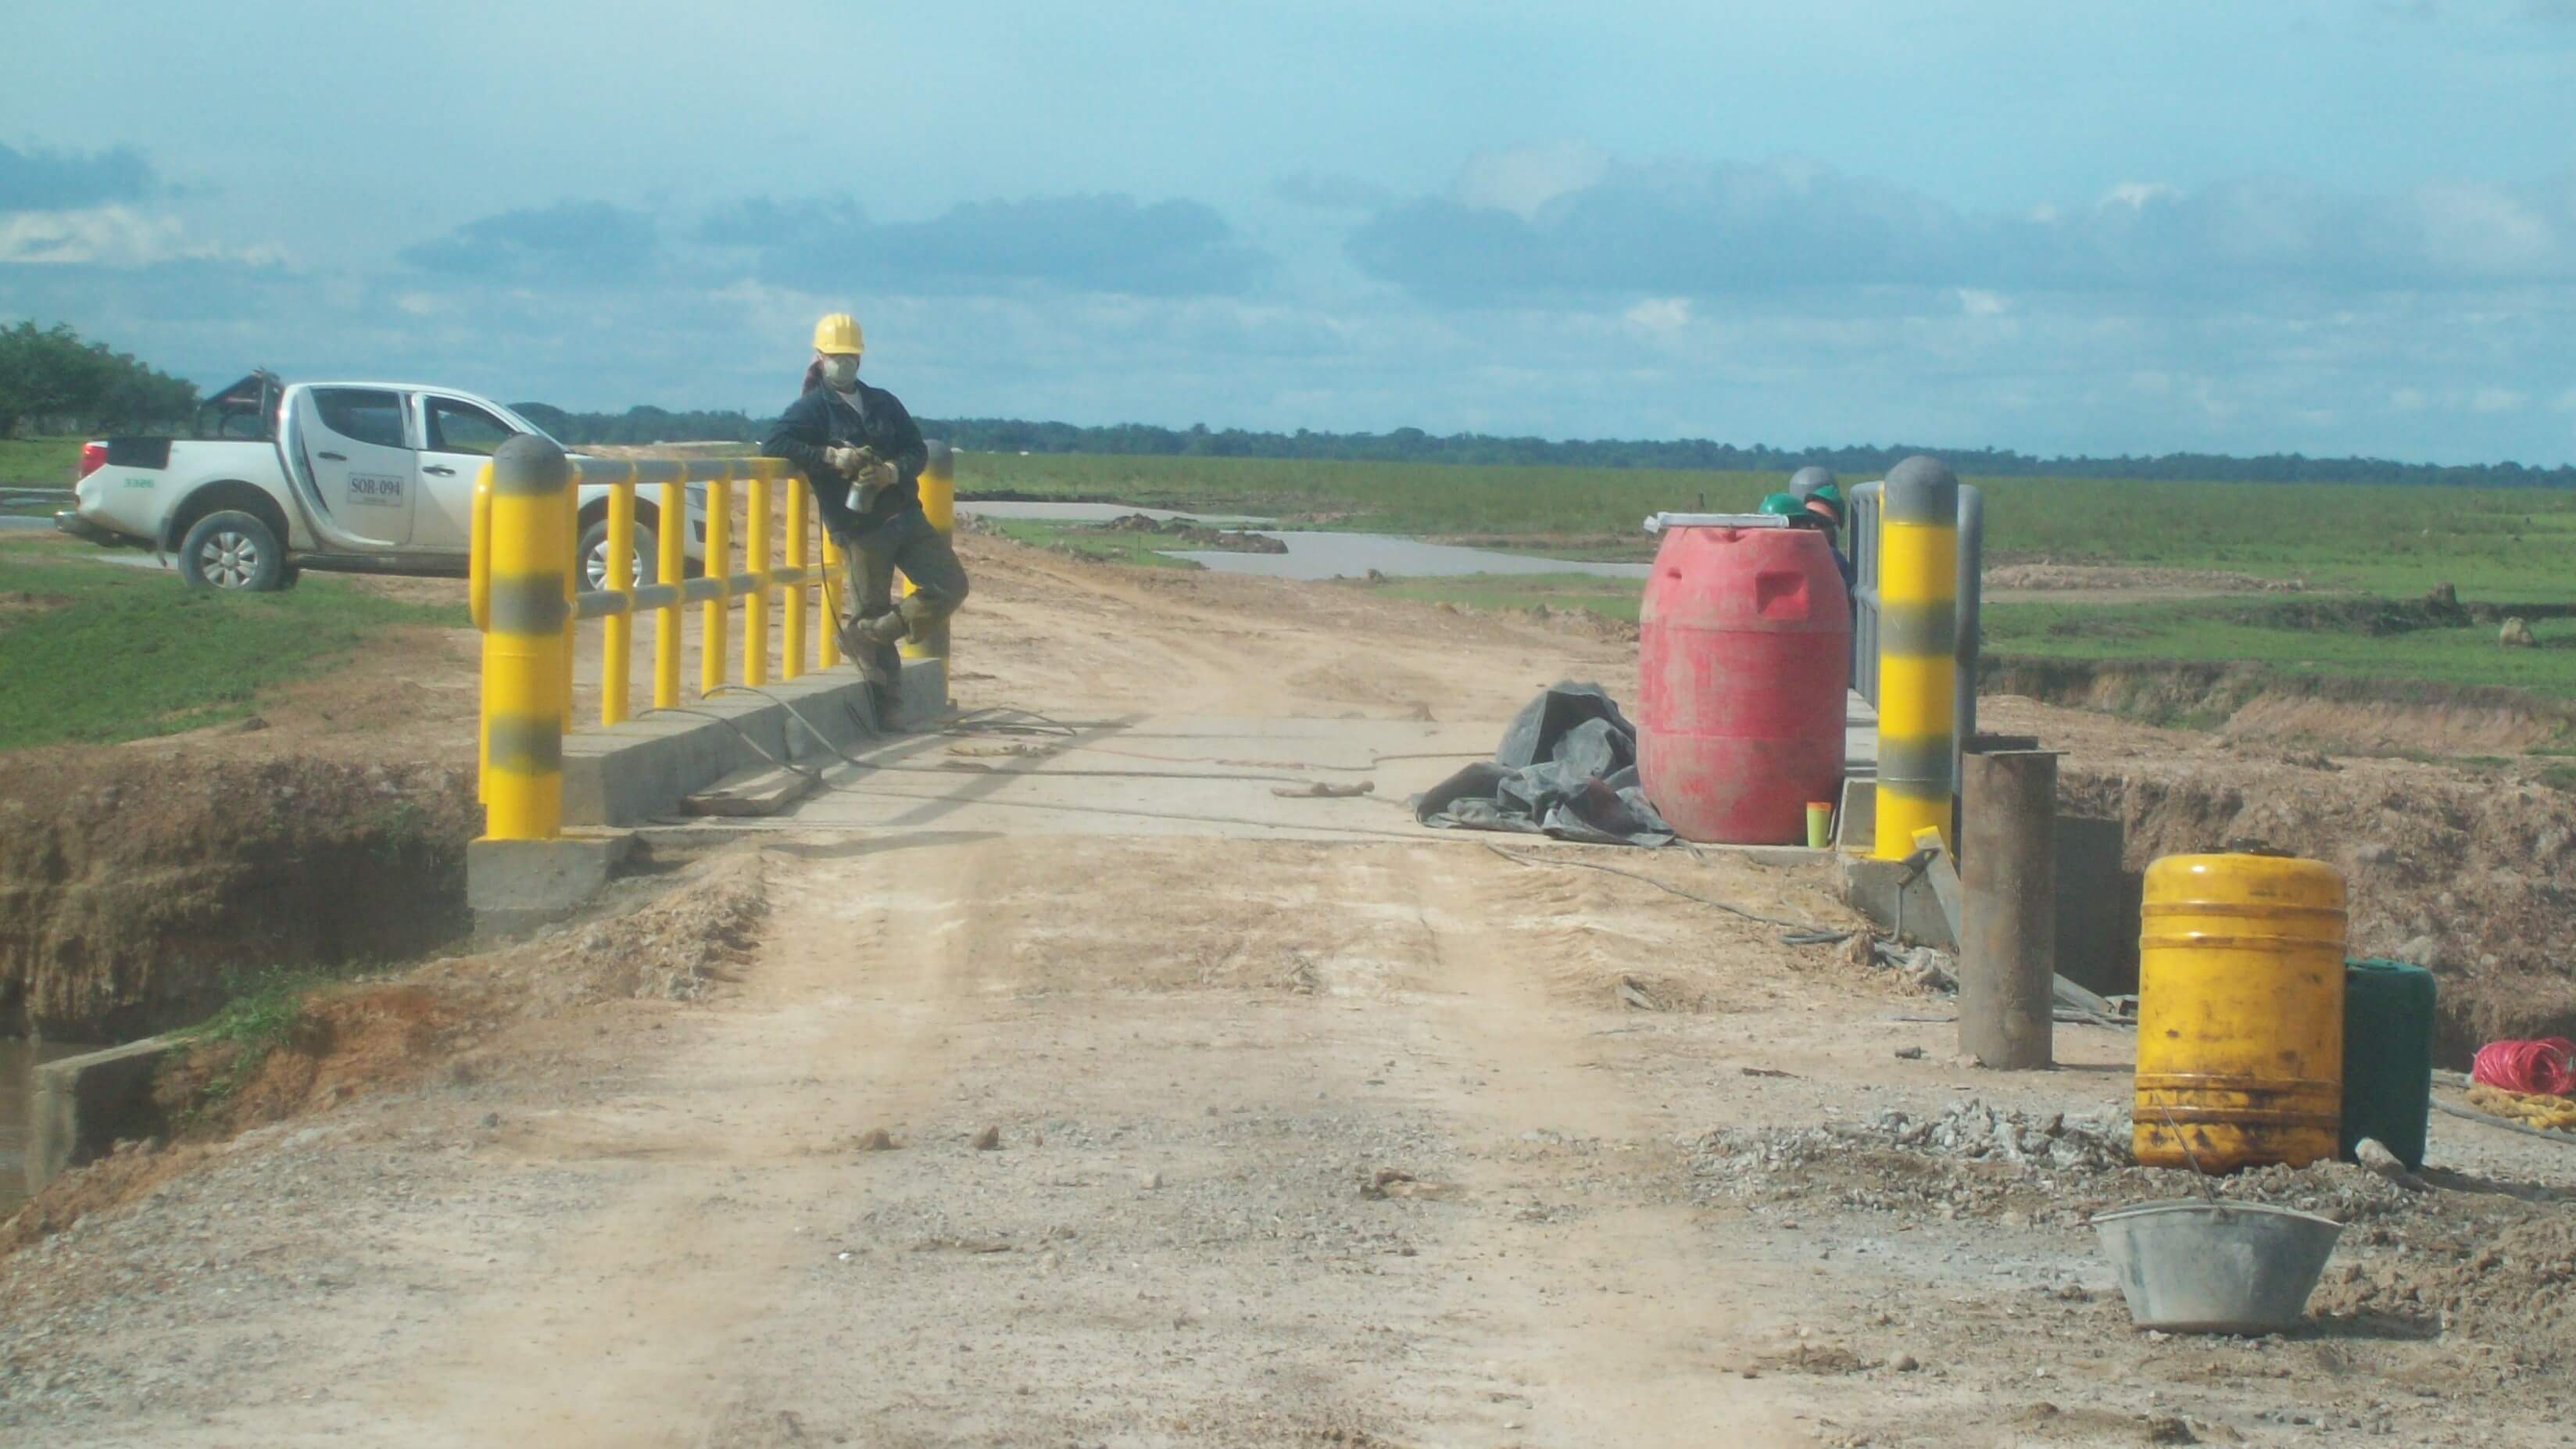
[[667, 937], [2256, 702], [2466, 877], [133, 884]]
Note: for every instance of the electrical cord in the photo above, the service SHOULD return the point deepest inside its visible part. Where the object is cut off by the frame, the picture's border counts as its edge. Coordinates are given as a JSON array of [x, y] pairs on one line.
[[1801, 933], [2507, 1123], [952, 772]]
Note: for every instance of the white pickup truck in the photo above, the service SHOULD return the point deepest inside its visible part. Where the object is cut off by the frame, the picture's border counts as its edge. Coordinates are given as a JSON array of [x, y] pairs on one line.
[[362, 476]]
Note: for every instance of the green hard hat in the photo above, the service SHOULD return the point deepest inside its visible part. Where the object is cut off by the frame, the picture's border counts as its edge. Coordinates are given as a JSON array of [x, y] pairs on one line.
[[1832, 497], [1784, 504]]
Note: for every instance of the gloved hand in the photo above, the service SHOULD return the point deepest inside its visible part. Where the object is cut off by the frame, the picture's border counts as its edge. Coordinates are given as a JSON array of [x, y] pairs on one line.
[[847, 461], [874, 476]]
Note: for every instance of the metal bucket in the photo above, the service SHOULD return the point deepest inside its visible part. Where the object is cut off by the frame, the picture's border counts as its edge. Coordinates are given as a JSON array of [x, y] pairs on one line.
[[2194, 1266]]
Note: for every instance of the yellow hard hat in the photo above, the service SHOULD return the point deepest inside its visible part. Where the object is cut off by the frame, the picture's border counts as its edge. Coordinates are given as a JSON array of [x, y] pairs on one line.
[[839, 332]]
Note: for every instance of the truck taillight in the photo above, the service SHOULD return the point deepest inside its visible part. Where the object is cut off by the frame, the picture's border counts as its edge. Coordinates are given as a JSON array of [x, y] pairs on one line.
[[93, 458]]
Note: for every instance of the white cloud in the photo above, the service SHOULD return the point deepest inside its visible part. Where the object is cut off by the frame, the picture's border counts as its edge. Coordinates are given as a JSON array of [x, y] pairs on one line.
[[1977, 302], [2407, 399], [1661, 314], [1523, 182], [2566, 401], [2136, 194], [2479, 228], [113, 236], [2497, 400]]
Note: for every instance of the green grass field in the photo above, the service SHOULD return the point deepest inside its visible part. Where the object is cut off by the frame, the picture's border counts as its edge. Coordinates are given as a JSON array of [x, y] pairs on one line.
[[39, 462], [96, 653], [2495, 544], [2214, 629]]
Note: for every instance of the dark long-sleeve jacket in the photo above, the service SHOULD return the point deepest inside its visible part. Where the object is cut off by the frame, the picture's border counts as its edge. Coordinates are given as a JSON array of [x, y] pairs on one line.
[[821, 420]]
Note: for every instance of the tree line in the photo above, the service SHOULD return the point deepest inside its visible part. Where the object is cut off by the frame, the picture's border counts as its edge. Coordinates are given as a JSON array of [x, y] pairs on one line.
[[52, 381], [1413, 445]]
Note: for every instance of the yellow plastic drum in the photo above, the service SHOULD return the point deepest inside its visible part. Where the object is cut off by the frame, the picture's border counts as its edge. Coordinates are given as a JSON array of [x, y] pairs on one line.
[[2240, 1012]]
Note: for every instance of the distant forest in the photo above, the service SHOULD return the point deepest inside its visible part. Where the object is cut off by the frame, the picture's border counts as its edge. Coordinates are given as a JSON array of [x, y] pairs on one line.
[[1412, 445]]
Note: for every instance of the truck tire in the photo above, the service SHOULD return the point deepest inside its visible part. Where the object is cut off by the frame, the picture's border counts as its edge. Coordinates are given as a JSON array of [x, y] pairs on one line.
[[594, 556], [232, 551]]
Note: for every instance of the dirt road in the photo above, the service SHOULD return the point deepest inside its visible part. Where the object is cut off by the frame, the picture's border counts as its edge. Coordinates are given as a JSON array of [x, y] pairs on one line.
[[1040, 1140]]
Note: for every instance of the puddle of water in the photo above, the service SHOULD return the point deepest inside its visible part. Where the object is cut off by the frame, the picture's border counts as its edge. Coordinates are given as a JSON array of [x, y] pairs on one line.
[[1319, 554], [1101, 513], [18, 1061], [1352, 555]]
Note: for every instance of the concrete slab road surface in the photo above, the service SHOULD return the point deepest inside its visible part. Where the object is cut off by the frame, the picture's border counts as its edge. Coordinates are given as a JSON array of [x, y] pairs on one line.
[[1144, 1108]]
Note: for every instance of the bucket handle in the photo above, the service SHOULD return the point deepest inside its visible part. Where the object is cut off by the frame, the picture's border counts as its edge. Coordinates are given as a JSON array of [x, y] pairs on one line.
[[2199, 1178]]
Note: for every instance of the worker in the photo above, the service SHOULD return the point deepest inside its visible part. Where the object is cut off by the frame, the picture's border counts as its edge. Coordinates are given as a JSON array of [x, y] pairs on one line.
[[863, 455], [1821, 510], [1817, 492]]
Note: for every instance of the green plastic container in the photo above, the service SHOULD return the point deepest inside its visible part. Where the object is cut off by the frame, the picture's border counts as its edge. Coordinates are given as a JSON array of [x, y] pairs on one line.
[[2387, 1057]]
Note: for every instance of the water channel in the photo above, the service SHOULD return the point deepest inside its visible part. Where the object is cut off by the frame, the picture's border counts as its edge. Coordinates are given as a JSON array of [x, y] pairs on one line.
[[1320, 554]]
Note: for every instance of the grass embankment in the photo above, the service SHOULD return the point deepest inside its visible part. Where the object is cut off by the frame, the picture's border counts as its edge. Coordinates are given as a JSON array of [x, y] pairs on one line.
[[38, 462], [2281, 640], [96, 653], [1084, 540], [1610, 598]]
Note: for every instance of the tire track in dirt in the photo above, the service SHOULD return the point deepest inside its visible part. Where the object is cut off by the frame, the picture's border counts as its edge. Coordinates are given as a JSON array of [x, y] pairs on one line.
[[627, 1333], [1610, 1310]]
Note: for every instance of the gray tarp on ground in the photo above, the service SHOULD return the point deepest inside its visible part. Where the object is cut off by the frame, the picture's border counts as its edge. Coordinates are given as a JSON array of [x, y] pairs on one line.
[[1567, 767]]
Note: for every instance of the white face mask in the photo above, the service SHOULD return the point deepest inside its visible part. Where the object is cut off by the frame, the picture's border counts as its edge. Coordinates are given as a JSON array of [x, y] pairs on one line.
[[841, 370]]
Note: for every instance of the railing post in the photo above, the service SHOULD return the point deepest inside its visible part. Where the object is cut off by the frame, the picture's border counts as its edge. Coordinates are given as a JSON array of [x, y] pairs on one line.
[[1972, 555], [617, 631], [791, 618], [755, 561], [938, 488], [527, 591], [711, 620], [827, 641], [1918, 631], [672, 568]]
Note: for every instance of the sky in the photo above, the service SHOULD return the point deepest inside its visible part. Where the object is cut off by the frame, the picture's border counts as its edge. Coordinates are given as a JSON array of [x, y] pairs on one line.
[[2323, 226]]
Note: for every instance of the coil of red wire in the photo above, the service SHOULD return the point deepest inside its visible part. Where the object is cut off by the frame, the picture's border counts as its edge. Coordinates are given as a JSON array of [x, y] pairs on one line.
[[2535, 1068]]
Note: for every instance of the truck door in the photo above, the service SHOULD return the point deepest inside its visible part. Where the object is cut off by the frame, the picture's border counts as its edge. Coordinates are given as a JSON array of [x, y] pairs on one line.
[[357, 451], [457, 440]]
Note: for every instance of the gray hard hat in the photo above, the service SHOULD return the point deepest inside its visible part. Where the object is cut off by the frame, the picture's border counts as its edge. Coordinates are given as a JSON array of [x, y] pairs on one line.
[[1808, 480]]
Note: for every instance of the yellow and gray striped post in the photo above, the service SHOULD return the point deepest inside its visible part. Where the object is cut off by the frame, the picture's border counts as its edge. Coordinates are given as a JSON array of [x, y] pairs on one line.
[[1918, 629], [938, 490], [524, 544]]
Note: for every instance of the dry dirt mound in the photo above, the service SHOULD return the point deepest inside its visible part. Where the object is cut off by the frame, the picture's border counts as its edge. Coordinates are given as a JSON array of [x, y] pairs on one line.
[[132, 883], [1195, 534], [2511, 1283], [1973, 1160]]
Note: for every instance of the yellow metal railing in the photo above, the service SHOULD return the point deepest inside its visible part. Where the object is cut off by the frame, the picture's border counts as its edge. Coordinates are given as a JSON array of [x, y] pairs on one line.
[[525, 595]]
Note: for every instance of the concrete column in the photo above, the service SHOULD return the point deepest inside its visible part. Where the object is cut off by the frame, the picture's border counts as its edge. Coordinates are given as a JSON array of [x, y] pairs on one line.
[[2008, 908]]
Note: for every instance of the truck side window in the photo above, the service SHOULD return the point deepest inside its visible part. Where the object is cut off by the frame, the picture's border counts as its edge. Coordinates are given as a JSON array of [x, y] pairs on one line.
[[362, 414], [459, 427]]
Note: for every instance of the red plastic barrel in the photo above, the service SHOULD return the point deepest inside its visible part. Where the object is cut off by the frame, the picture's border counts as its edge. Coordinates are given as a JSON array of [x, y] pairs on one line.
[[1743, 662]]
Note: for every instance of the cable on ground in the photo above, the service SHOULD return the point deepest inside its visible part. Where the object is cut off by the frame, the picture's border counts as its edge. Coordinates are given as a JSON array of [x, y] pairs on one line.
[[1801, 933]]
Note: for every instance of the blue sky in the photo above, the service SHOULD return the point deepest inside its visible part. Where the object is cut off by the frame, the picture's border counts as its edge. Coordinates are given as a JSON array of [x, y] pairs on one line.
[[2252, 226]]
